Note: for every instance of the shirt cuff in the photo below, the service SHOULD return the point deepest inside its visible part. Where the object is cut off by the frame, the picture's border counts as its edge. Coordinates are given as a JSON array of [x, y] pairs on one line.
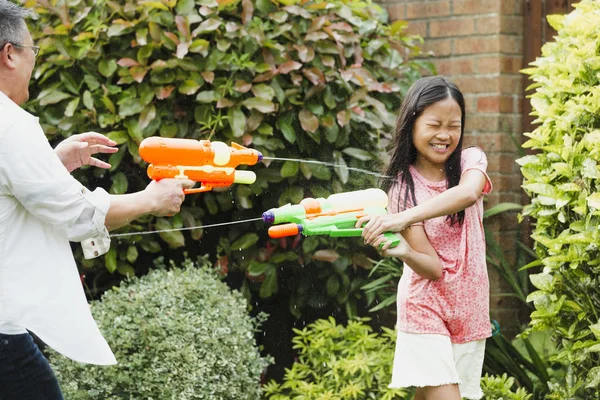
[[99, 243]]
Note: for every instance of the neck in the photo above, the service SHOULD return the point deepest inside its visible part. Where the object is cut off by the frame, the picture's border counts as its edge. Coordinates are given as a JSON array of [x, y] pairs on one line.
[[430, 171], [6, 90]]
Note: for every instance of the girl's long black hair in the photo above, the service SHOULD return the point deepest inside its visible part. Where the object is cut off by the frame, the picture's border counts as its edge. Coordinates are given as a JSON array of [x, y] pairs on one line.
[[422, 94]]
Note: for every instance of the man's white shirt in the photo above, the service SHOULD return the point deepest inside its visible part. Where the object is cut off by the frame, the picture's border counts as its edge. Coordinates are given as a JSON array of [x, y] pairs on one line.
[[42, 208]]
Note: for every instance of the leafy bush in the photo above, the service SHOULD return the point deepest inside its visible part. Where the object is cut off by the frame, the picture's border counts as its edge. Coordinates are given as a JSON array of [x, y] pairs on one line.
[[562, 179], [300, 79], [339, 362], [501, 388], [178, 334]]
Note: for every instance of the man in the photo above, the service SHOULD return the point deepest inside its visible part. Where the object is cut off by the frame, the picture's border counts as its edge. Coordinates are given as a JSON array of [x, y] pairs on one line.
[[42, 208]]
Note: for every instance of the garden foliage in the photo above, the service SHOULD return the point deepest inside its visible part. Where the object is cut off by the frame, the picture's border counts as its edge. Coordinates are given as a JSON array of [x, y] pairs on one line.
[[563, 179], [338, 362], [178, 334], [316, 80]]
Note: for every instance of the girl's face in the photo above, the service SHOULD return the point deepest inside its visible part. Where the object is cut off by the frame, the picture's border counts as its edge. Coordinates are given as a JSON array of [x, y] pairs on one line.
[[436, 134]]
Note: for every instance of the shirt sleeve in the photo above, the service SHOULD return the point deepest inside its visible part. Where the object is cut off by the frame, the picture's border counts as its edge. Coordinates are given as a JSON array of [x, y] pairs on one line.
[[474, 158], [32, 173], [396, 201]]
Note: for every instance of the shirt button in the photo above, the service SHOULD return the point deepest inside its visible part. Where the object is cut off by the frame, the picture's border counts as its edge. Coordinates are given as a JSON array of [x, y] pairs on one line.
[[96, 253], [83, 190], [93, 244]]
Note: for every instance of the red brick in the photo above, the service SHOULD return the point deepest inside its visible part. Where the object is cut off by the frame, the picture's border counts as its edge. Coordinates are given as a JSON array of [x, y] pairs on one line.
[[511, 84], [488, 25], [454, 66], [503, 163], [427, 10], [482, 123], [396, 11], [499, 64], [439, 47], [470, 104], [417, 28], [511, 7], [476, 45], [473, 7], [511, 44], [452, 27], [495, 142], [477, 84], [495, 104], [511, 24]]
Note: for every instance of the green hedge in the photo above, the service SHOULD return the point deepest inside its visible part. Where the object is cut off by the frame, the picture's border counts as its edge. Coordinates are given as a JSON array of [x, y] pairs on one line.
[[300, 79], [563, 180], [179, 334]]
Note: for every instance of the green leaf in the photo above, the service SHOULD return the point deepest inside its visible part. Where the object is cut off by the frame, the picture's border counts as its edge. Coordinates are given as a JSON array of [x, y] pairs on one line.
[[269, 285], [119, 184], [69, 83], [256, 103], [308, 121], [88, 100], [257, 268], [107, 67], [173, 238], [53, 97], [129, 107], [237, 121], [72, 107], [189, 87], [332, 285], [245, 241], [208, 96], [148, 115], [289, 168], [110, 259], [207, 26], [359, 154], [185, 7], [119, 137], [501, 208], [263, 91], [132, 254]]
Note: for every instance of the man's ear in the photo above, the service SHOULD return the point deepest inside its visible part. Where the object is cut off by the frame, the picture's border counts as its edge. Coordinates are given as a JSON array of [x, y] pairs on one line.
[[8, 56]]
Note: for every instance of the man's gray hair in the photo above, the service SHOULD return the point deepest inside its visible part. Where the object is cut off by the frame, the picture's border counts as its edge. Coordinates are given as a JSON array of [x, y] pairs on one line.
[[12, 23]]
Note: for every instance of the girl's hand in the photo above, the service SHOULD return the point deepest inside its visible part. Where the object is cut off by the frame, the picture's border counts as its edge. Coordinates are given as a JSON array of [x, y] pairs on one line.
[[399, 251], [76, 151], [377, 225]]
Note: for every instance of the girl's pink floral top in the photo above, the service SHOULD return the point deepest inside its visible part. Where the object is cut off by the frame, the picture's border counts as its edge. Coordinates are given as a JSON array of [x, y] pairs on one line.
[[457, 305]]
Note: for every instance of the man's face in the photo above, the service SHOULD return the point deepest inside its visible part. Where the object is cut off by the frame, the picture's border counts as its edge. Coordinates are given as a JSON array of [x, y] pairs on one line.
[[21, 61], [26, 62]]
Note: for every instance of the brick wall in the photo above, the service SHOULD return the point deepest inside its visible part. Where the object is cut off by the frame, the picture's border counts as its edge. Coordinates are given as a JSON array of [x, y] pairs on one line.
[[478, 44]]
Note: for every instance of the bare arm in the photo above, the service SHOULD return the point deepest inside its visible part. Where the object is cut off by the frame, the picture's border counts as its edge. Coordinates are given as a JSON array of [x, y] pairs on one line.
[[458, 198], [416, 251], [158, 198]]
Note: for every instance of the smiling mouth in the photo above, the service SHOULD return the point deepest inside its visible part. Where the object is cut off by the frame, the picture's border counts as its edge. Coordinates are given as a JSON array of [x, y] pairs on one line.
[[440, 146]]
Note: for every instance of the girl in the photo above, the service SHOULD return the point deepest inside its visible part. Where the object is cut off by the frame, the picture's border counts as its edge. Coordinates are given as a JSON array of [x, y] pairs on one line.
[[443, 296]]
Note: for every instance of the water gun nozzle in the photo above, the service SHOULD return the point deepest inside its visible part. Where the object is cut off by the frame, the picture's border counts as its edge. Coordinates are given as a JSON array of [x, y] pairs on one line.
[[268, 217]]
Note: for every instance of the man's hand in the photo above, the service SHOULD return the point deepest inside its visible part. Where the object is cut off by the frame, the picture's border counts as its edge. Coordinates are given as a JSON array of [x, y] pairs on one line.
[[377, 225], [166, 195], [76, 150]]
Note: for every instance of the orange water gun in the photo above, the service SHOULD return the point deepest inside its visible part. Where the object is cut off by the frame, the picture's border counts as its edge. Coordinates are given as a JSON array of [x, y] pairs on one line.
[[213, 164]]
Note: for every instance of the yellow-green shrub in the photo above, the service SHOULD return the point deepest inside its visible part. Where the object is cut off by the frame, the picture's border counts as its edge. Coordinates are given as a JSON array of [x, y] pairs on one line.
[[563, 180]]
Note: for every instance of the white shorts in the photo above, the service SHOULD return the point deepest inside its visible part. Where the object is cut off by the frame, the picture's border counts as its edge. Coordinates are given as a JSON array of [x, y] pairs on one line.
[[433, 360]]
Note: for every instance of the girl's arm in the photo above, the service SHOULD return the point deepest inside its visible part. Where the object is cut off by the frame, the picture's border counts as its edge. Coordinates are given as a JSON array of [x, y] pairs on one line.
[[416, 251], [458, 198]]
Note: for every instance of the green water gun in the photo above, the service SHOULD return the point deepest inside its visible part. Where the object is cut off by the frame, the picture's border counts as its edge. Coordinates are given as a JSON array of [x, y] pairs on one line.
[[335, 216]]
